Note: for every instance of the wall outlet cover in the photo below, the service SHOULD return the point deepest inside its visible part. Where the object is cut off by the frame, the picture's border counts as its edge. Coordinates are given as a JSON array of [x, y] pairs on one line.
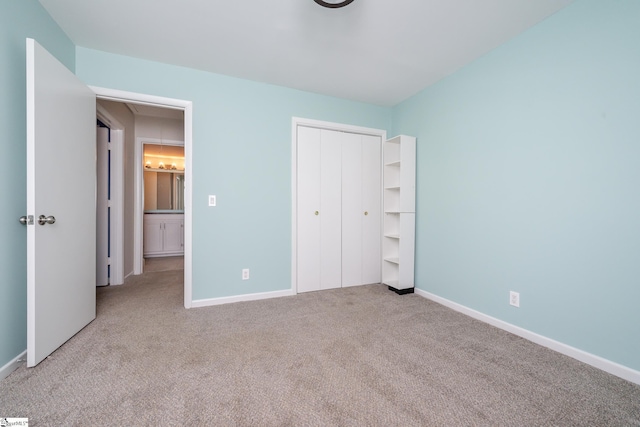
[[514, 299]]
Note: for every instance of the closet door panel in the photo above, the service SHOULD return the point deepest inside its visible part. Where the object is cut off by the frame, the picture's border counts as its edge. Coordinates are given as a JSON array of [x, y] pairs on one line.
[[330, 209], [352, 212], [372, 205], [308, 199]]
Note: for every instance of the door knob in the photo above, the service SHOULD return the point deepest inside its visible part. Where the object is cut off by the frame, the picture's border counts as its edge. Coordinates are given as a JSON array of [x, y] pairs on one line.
[[26, 220], [42, 220], [366, 213], [317, 213]]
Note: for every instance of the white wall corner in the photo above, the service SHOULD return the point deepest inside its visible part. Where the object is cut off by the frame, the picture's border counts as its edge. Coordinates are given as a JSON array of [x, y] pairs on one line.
[[13, 365], [613, 368]]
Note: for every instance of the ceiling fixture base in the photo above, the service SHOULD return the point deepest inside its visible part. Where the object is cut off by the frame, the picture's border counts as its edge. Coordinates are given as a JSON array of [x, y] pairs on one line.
[[333, 5]]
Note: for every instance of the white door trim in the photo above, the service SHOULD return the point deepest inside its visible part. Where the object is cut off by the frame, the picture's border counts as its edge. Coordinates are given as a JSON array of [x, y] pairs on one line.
[[295, 122], [117, 194], [187, 107]]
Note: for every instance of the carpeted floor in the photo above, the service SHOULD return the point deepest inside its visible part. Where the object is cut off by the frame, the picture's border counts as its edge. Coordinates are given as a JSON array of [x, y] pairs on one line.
[[354, 356]]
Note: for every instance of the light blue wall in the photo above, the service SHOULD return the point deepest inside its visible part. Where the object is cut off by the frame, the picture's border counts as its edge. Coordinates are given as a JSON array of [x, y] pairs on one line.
[[242, 154], [19, 19], [529, 177]]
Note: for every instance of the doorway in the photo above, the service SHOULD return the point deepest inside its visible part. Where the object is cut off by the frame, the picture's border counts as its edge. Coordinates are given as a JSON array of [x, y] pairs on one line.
[[173, 104]]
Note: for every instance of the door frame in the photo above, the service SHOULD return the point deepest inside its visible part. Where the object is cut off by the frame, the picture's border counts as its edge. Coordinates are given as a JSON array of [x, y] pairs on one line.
[[138, 209], [187, 107], [340, 127], [116, 236]]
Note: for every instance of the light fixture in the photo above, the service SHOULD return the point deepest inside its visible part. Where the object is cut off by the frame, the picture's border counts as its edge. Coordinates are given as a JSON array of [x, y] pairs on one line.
[[333, 4]]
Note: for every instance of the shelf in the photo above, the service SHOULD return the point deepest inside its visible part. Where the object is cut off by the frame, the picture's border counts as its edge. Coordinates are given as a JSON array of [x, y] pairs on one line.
[[398, 244]]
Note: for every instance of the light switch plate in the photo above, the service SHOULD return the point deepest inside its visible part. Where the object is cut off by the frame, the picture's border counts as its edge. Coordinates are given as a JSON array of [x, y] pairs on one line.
[[212, 200]]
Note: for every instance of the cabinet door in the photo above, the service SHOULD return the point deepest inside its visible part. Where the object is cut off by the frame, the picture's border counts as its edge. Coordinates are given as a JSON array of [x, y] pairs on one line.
[[173, 231], [152, 236]]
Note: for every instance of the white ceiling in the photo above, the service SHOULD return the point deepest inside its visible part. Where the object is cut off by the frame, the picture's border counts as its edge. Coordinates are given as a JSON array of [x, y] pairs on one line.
[[375, 51]]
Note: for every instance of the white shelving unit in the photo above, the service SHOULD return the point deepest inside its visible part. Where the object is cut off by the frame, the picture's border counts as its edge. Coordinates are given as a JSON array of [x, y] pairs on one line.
[[398, 242]]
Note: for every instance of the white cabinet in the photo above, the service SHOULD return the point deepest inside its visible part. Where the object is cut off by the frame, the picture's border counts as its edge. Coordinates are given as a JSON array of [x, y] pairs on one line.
[[338, 209], [398, 242], [163, 235]]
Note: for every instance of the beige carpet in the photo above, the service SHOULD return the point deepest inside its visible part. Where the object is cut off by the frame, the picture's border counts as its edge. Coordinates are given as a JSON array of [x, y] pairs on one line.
[[356, 356]]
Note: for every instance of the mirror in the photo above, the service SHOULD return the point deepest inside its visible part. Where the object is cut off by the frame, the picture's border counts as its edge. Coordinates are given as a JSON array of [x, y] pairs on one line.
[[163, 191], [163, 178]]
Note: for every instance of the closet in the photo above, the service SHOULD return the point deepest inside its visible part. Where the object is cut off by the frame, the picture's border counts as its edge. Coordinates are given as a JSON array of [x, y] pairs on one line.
[[339, 207]]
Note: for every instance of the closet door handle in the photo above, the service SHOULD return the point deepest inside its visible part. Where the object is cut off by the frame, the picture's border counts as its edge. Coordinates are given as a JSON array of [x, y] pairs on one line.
[[317, 213], [366, 213]]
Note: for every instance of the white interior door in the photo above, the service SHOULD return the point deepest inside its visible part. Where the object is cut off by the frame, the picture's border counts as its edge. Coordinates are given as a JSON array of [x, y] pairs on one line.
[[372, 207], [352, 209], [61, 183], [361, 209], [308, 209], [319, 211], [330, 209]]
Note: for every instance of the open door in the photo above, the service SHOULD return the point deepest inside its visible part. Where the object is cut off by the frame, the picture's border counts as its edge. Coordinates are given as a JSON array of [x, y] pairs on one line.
[[61, 204]]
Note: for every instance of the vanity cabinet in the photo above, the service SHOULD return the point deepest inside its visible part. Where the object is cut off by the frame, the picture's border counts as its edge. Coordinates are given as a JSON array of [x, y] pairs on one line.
[[163, 235]]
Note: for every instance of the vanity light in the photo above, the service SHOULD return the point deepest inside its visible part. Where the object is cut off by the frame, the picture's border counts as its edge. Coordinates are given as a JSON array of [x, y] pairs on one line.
[[148, 164], [161, 165], [173, 166]]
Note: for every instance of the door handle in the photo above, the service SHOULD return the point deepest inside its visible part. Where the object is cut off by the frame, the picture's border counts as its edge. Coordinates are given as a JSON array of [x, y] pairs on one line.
[[42, 220], [26, 220]]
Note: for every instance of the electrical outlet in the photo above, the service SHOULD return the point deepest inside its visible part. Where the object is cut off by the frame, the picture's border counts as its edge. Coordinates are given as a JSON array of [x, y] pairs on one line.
[[212, 200], [245, 274], [514, 299]]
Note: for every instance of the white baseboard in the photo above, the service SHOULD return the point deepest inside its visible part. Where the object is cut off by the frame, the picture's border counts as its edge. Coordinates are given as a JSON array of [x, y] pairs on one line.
[[13, 365], [239, 298], [588, 358]]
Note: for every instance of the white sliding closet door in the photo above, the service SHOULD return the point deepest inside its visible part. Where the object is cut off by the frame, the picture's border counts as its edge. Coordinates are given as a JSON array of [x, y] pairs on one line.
[[319, 211]]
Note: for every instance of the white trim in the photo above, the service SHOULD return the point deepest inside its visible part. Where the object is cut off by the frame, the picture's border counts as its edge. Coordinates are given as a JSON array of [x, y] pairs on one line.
[[295, 122], [187, 106], [12, 365], [138, 195], [588, 358], [240, 298], [117, 196]]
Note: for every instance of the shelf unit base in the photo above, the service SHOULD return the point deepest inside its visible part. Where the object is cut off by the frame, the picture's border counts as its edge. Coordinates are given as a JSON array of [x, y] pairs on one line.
[[401, 291]]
